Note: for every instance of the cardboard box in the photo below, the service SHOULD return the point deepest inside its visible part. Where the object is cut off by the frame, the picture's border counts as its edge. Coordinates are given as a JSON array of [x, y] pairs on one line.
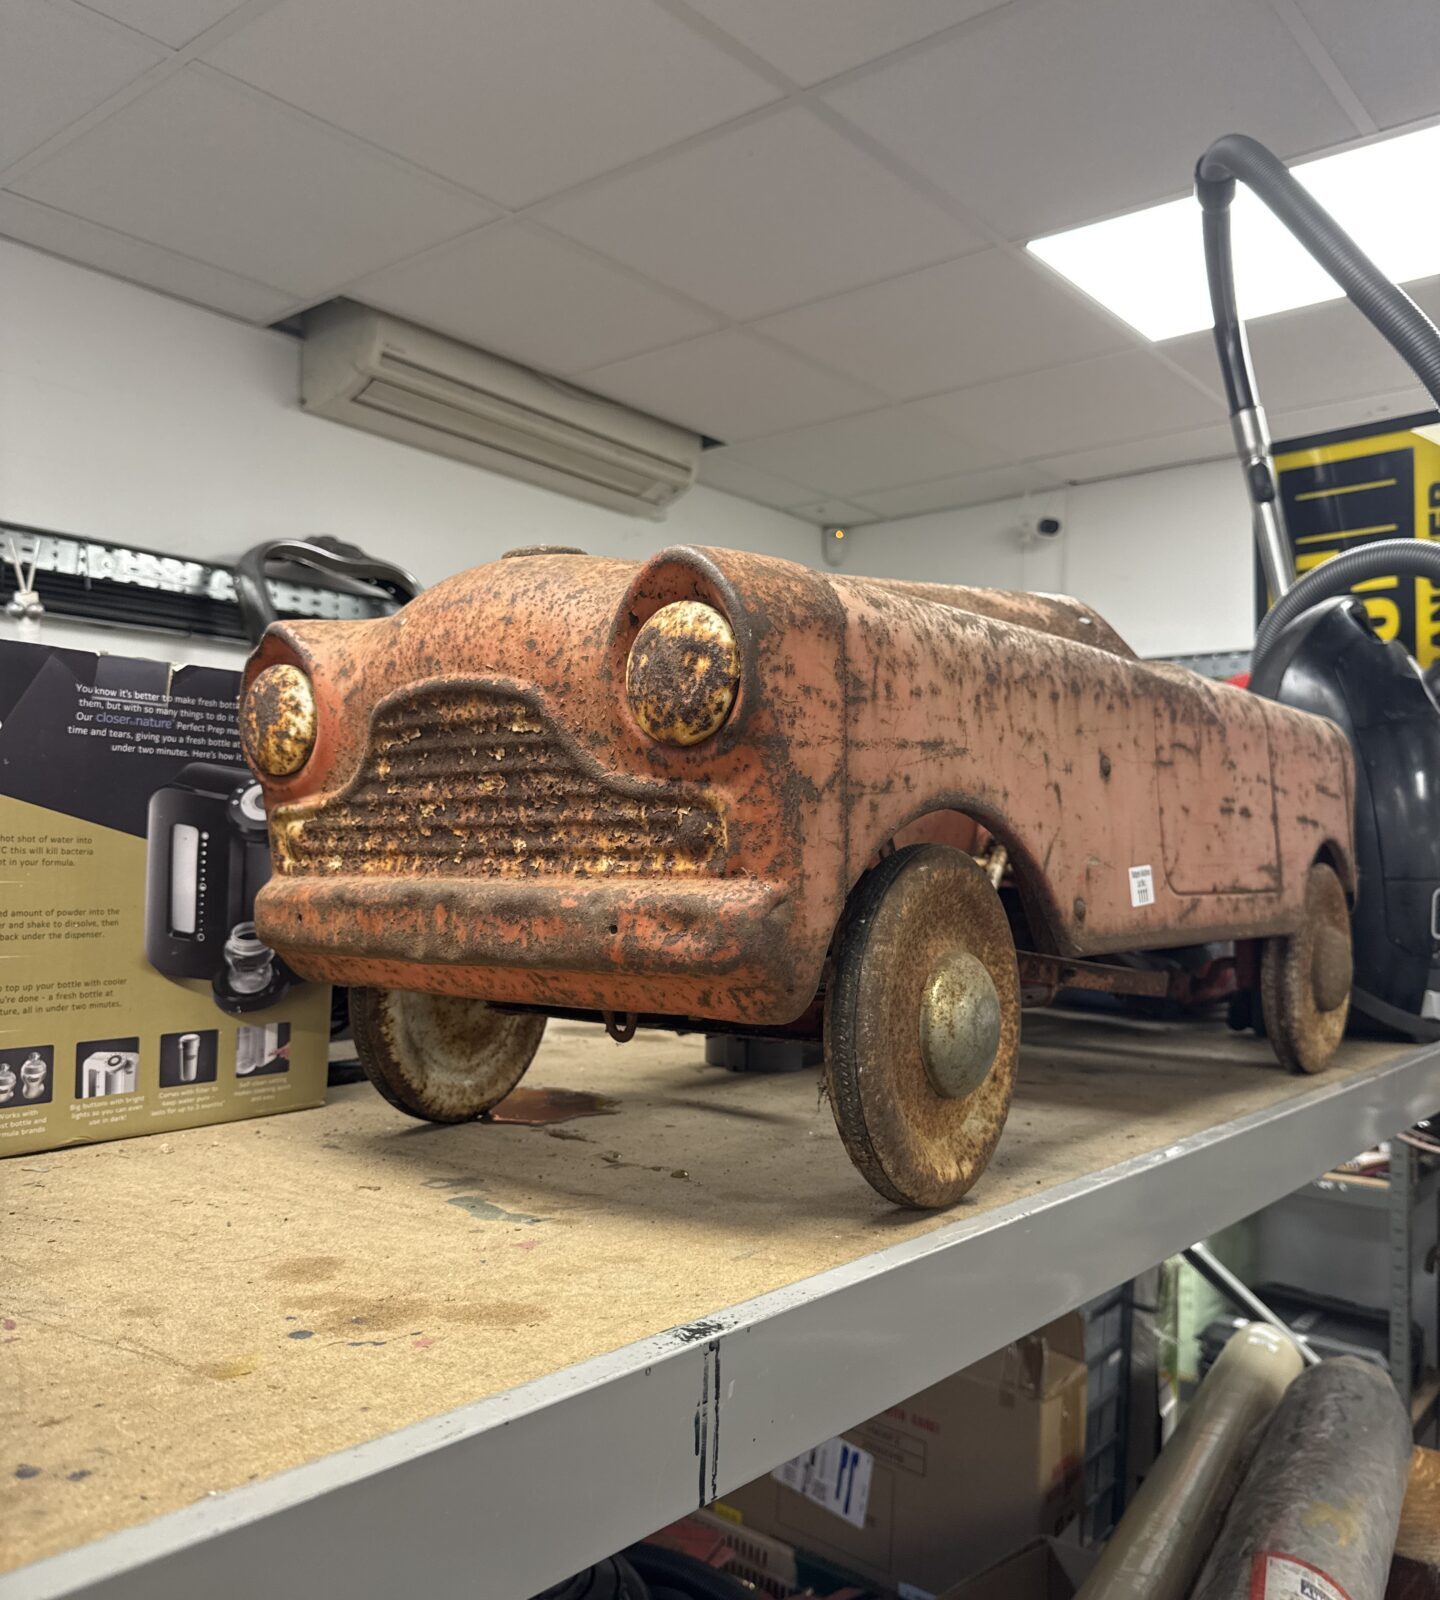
[[956, 1478], [1045, 1570], [132, 839]]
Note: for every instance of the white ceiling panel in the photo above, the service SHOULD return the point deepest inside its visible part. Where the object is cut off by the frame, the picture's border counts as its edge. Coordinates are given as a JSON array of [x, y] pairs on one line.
[[1378, 409], [968, 489], [1107, 400], [133, 259], [526, 294], [875, 451], [809, 40], [1387, 50], [513, 98], [216, 171], [764, 216], [722, 470], [1048, 115], [837, 513], [1304, 357], [729, 385], [1211, 443], [1426, 294], [987, 315], [55, 65], [172, 22]]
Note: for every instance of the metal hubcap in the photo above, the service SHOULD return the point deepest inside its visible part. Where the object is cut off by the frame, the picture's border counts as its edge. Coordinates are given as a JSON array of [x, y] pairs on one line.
[[1331, 969], [959, 1026]]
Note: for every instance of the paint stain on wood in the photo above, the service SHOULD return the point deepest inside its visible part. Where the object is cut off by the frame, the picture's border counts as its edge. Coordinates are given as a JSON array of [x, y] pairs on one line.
[[487, 1211], [230, 1367], [306, 1269], [538, 1107]]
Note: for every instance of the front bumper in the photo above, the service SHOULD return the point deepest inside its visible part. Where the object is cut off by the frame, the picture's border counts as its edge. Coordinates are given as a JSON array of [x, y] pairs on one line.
[[712, 949]]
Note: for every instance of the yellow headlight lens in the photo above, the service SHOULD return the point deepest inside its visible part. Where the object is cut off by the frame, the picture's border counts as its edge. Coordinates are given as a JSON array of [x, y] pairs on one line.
[[277, 721], [683, 673]]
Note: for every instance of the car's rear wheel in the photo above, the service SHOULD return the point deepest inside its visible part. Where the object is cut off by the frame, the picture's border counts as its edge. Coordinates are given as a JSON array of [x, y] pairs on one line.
[[1305, 978], [440, 1057], [922, 1025]]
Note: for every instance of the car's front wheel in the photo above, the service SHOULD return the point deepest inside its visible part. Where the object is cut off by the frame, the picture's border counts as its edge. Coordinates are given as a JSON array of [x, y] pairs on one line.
[[922, 1024], [441, 1057]]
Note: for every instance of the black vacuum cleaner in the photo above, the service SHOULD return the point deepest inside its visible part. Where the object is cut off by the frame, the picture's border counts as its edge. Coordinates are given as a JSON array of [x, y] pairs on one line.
[[1316, 647]]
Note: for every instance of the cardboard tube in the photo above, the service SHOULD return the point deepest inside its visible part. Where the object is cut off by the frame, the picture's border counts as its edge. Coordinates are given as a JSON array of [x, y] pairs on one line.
[[1169, 1526], [1318, 1511]]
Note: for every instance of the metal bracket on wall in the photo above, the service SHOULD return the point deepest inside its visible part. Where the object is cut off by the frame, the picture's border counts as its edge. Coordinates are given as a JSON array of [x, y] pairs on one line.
[[99, 581], [1402, 1248]]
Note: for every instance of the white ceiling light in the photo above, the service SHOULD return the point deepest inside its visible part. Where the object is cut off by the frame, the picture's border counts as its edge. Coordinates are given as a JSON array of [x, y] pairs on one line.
[[1149, 267]]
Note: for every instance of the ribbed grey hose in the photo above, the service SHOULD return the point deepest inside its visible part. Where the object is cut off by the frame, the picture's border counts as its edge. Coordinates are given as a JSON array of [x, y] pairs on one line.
[[1389, 308], [1415, 558]]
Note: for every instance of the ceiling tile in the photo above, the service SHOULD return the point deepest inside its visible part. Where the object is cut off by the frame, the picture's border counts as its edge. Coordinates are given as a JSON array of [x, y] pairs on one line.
[[1304, 357], [55, 65], [512, 98], [813, 39], [1379, 409], [1212, 443], [833, 513], [94, 246], [1048, 115], [874, 451], [1388, 52], [172, 22], [1425, 292], [968, 489], [985, 316], [1107, 400], [721, 470], [213, 170], [771, 214], [729, 385], [526, 294]]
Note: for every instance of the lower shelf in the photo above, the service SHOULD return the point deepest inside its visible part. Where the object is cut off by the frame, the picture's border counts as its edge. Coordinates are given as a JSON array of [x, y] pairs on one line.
[[374, 1342]]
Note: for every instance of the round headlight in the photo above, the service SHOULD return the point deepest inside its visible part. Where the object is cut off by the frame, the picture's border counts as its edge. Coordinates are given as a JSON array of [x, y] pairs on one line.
[[277, 721], [683, 671]]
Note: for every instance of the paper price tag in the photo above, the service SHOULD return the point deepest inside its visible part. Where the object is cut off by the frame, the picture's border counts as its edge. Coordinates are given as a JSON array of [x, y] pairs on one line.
[[835, 1475], [1142, 886]]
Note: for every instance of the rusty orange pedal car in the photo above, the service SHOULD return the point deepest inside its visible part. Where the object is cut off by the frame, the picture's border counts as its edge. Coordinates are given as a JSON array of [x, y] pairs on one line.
[[723, 791]]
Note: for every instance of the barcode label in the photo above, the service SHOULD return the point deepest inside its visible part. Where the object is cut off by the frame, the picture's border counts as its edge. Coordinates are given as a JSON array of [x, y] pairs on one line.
[[835, 1475], [1142, 886]]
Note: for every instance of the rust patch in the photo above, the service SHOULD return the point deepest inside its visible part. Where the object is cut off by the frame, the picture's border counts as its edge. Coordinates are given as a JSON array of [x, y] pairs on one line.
[[473, 780], [277, 721], [682, 673]]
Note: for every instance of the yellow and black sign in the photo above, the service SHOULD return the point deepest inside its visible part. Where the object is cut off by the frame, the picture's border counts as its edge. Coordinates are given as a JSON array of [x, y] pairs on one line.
[[1344, 490]]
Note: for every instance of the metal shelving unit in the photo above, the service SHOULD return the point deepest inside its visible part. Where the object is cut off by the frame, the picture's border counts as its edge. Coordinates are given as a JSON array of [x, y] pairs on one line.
[[627, 1441]]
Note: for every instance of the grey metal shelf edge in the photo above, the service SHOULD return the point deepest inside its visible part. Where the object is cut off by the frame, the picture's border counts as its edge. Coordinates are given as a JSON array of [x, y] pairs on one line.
[[623, 1443]]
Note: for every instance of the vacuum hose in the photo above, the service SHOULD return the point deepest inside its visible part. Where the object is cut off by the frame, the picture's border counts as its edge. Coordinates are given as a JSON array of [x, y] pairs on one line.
[[1389, 308], [1415, 558]]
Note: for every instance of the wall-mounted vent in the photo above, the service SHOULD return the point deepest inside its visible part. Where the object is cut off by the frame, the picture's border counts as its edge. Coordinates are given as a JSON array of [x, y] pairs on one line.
[[387, 376]]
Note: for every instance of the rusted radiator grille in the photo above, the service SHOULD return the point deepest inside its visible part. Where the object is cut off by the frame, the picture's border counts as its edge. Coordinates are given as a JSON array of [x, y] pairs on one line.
[[476, 782]]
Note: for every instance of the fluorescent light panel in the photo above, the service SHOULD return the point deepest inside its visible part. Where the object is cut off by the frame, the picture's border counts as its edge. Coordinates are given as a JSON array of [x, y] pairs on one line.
[[1149, 267]]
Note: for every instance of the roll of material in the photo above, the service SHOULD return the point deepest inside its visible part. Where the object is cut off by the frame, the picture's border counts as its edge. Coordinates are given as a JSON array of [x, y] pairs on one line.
[[1317, 1513], [1170, 1525]]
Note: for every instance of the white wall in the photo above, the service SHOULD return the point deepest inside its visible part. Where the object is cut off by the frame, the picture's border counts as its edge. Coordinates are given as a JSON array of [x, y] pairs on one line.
[[1164, 557], [125, 415]]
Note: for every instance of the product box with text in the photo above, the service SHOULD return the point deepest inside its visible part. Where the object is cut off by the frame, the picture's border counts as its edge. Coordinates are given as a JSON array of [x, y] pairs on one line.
[[134, 994], [954, 1479]]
